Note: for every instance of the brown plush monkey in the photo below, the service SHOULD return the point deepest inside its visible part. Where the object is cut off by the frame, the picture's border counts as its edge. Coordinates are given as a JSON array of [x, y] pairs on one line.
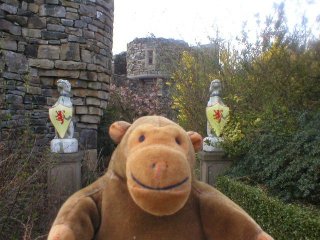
[[149, 192]]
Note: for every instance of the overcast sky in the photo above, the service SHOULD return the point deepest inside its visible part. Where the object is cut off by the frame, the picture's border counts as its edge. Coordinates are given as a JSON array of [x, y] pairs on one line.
[[194, 21]]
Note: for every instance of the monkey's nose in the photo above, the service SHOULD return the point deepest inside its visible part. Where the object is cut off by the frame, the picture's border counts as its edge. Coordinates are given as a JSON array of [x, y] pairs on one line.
[[159, 168]]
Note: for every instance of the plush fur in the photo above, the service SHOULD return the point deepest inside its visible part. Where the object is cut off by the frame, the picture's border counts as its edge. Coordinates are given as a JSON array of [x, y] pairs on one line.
[[150, 193]]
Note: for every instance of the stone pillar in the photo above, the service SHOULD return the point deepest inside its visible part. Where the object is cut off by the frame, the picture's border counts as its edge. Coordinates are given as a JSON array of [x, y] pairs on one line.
[[64, 178], [212, 164]]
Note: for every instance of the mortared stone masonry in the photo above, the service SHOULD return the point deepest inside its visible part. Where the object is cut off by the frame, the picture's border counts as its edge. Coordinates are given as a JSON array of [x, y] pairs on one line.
[[42, 41]]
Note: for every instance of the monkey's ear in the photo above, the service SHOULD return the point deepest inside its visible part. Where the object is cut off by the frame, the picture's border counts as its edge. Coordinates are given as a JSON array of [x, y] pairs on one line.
[[117, 130], [196, 140]]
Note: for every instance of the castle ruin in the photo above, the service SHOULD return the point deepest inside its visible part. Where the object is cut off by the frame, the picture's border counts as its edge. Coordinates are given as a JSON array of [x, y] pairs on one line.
[[151, 59]]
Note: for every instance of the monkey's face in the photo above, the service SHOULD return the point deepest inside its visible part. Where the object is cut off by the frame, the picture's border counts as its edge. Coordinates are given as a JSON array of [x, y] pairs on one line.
[[158, 170], [159, 162]]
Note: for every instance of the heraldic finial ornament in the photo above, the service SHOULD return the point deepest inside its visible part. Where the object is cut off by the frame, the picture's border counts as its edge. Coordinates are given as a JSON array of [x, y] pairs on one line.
[[60, 115], [217, 116]]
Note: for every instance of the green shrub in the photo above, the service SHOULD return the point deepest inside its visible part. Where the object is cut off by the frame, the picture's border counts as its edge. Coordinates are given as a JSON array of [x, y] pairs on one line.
[[287, 163], [282, 221]]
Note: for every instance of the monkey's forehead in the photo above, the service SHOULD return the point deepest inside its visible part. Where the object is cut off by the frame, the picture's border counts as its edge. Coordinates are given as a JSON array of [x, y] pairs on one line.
[[157, 121]]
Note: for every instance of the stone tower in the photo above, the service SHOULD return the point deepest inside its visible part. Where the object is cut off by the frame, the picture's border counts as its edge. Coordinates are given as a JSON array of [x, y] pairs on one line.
[[44, 40], [149, 59]]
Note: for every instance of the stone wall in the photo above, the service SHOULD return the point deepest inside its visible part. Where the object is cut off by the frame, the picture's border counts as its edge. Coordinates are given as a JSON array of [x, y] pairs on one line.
[[165, 53], [42, 41]]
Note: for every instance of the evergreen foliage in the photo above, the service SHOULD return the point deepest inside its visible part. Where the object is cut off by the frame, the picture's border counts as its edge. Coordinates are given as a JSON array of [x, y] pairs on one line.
[[282, 221], [287, 163], [120, 63]]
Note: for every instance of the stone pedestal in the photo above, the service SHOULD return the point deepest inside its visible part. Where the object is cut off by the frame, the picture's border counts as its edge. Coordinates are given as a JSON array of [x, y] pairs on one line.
[[64, 178], [212, 164], [59, 145]]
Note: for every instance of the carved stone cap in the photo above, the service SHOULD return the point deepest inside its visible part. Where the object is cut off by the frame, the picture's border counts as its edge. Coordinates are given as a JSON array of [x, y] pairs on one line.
[[64, 87], [215, 88]]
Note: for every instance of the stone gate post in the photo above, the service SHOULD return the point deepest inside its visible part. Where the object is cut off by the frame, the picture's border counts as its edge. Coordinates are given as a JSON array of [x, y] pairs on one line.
[[64, 178]]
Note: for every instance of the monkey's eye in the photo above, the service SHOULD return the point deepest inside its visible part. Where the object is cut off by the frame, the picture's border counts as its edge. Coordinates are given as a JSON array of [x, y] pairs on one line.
[[178, 141], [142, 138]]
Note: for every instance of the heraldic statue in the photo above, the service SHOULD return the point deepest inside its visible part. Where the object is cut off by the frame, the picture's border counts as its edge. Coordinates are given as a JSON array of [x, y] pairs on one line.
[[60, 115], [217, 115]]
